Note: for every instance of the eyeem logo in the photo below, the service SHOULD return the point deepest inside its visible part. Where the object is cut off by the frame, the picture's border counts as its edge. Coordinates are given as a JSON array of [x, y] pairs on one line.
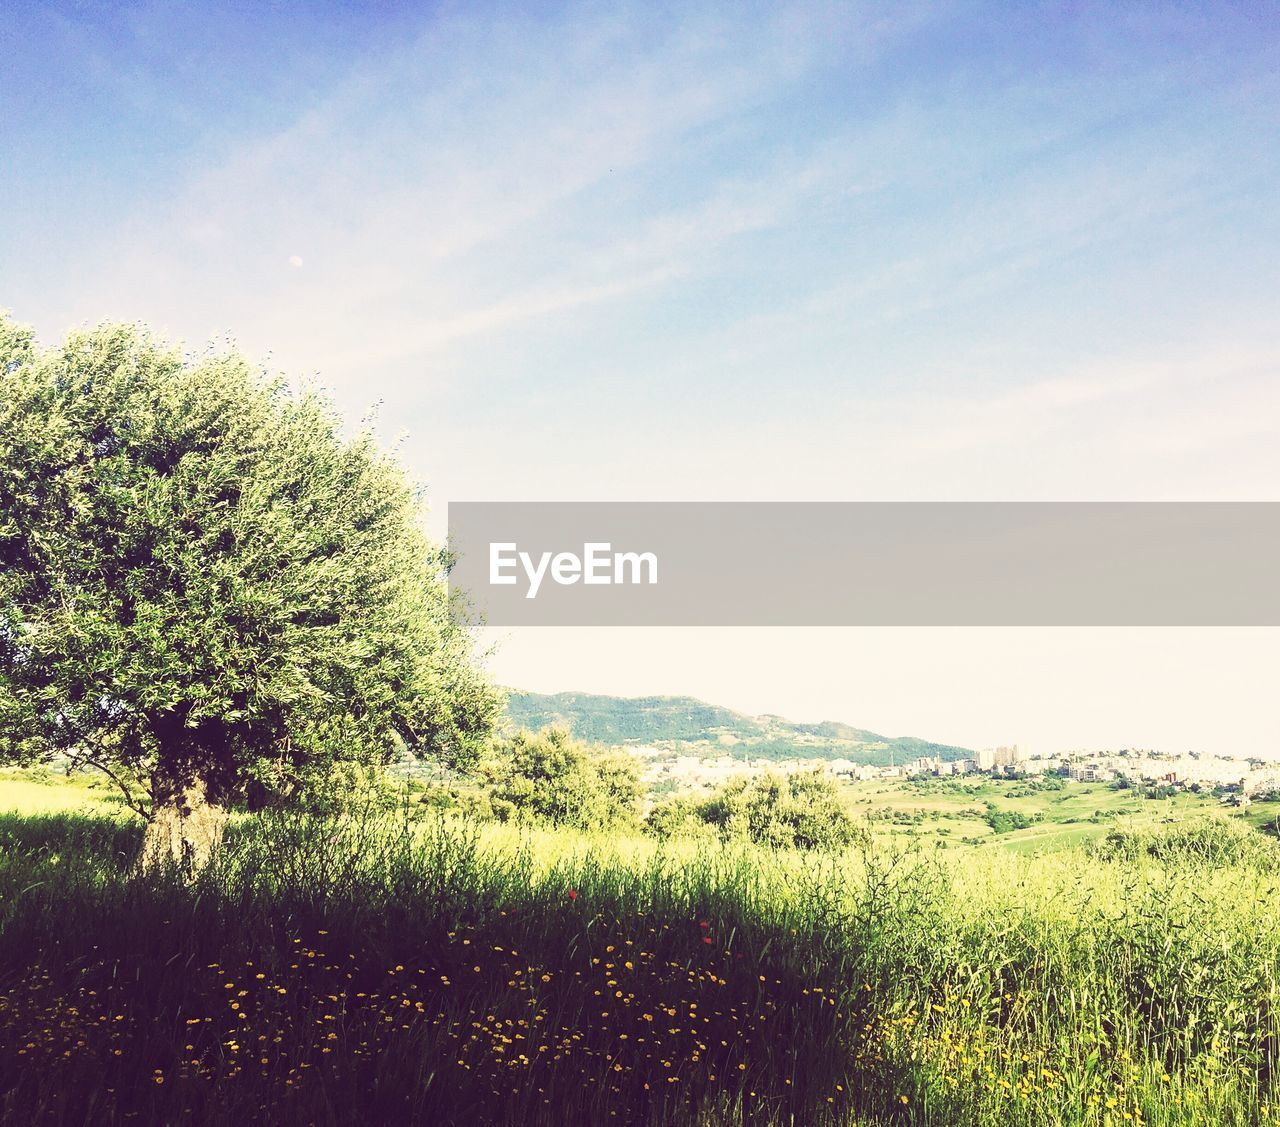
[[598, 564], [854, 563]]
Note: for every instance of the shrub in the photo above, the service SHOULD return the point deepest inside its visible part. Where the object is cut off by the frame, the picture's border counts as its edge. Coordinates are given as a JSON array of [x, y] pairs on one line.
[[679, 815], [554, 778], [1218, 841], [1005, 821], [803, 810], [332, 789]]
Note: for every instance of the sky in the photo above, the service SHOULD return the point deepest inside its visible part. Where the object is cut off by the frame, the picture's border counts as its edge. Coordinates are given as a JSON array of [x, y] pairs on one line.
[[698, 252]]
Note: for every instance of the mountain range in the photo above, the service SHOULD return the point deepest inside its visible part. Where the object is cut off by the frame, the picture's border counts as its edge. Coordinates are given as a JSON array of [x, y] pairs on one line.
[[678, 723]]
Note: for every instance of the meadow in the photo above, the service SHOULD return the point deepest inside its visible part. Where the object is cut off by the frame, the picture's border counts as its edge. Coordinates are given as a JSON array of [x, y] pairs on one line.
[[408, 967], [933, 812]]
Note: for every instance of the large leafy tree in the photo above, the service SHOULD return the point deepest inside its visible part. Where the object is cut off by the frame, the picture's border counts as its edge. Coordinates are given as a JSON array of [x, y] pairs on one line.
[[206, 588]]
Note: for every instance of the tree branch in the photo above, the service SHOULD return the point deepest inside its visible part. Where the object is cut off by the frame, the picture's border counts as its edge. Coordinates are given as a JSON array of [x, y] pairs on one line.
[[129, 800]]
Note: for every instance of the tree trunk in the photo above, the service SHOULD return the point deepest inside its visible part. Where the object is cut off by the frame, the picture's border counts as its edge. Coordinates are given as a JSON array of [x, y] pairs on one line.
[[188, 817], [184, 832]]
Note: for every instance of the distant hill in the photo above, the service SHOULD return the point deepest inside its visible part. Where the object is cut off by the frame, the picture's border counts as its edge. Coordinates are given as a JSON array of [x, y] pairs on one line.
[[690, 724]]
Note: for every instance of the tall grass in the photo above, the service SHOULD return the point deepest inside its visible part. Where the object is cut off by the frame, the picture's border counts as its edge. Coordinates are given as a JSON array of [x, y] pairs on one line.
[[377, 969]]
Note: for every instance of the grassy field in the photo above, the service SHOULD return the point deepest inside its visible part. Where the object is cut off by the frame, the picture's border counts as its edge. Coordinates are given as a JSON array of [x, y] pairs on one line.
[[935, 812], [44, 792], [424, 971]]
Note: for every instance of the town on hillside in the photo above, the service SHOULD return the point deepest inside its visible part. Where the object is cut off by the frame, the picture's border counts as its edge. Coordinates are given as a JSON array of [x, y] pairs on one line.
[[1237, 779]]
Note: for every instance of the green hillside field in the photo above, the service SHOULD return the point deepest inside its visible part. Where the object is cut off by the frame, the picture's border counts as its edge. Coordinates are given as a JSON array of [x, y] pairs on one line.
[[946, 813]]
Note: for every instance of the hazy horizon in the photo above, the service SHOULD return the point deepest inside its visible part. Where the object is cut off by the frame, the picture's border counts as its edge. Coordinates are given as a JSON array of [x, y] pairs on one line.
[[1042, 750], [1173, 681]]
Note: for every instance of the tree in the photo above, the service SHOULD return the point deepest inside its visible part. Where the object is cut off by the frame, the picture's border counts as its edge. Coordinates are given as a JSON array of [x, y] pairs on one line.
[[205, 586], [679, 815], [552, 777], [802, 810]]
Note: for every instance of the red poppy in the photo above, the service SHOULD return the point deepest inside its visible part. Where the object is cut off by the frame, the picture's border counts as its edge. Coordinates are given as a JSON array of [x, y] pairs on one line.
[[706, 939], [573, 894], [704, 925]]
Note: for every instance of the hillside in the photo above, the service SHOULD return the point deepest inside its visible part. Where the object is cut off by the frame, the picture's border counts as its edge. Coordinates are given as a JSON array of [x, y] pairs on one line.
[[685, 723]]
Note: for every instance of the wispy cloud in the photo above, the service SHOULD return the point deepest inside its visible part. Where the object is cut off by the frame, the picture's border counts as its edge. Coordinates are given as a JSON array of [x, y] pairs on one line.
[[484, 174], [483, 214], [813, 251]]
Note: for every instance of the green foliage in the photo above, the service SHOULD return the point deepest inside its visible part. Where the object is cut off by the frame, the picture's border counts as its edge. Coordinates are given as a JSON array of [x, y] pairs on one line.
[[932, 784], [803, 810], [1037, 784], [346, 787], [200, 577], [1005, 821], [680, 815], [417, 971], [1207, 840], [553, 778]]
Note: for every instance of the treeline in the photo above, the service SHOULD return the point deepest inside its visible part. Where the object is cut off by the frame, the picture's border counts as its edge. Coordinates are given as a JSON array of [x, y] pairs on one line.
[[551, 779]]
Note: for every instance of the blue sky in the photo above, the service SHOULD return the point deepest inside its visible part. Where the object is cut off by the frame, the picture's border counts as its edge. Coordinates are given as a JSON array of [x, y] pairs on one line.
[[633, 251]]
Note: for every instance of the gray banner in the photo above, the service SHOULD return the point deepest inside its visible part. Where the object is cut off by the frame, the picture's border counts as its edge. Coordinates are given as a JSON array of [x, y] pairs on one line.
[[867, 563]]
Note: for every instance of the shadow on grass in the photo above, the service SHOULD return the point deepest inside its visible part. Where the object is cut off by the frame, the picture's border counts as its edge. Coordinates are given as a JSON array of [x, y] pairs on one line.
[[319, 979]]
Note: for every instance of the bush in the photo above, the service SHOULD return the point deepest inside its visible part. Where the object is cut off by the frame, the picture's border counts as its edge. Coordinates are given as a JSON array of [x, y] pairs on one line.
[[327, 789], [554, 778], [1217, 841], [1005, 821], [679, 815], [1036, 784], [803, 810]]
